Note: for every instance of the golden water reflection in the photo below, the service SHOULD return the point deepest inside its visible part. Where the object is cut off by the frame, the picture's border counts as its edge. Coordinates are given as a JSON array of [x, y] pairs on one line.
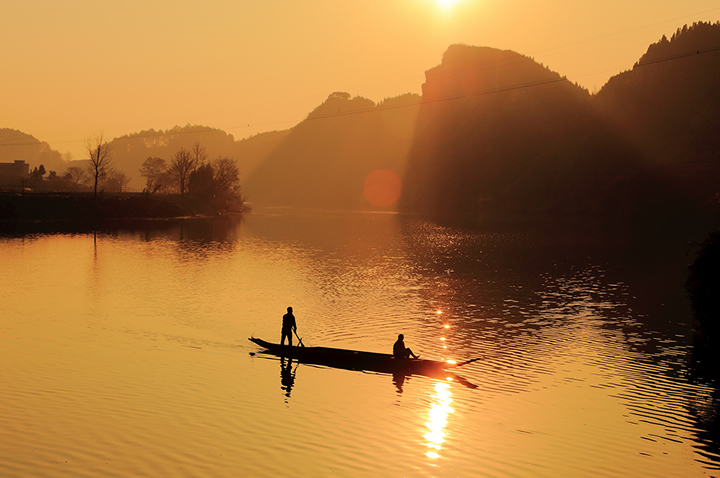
[[438, 414]]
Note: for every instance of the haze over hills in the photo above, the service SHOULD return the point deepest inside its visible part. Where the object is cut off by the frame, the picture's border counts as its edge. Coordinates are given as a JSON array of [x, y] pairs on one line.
[[16, 145], [130, 151], [520, 140], [494, 133], [668, 106], [325, 160]]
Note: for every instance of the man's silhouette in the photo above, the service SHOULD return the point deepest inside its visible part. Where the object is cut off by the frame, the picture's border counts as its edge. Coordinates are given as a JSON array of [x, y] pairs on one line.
[[399, 349], [288, 327]]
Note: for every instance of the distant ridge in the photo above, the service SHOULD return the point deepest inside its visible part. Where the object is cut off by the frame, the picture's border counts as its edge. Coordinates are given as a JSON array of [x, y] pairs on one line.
[[324, 161], [16, 145]]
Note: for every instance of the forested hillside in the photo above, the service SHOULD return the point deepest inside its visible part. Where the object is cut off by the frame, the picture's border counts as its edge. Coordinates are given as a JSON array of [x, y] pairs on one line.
[[18, 146], [324, 161], [668, 106], [499, 134]]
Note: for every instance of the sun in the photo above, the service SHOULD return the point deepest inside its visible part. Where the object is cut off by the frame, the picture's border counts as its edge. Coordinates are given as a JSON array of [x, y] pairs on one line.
[[446, 4]]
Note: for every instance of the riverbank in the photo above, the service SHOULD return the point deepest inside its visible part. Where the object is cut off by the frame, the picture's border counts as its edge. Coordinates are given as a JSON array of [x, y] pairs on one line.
[[20, 207]]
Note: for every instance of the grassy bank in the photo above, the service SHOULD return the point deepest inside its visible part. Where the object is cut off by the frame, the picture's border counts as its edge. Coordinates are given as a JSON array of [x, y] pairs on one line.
[[77, 206]]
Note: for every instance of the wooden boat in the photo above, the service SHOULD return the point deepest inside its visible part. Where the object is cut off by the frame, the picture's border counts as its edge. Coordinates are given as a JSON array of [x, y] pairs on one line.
[[363, 361]]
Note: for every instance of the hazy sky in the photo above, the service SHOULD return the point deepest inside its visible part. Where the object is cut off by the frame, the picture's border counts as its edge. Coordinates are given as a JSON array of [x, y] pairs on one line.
[[72, 69]]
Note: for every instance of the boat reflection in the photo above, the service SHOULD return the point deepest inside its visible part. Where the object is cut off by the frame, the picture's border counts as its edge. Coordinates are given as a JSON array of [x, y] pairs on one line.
[[287, 375], [438, 414]]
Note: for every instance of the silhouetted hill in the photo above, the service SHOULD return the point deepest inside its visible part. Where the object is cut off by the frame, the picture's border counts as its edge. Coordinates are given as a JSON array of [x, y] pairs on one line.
[[324, 160], [500, 134], [668, 105], [130, 151], [16, 145]]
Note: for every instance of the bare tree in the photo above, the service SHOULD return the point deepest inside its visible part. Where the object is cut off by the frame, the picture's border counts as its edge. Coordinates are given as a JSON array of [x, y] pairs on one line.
[[199, 155], [182, 165], [100, 153], [225, 173]]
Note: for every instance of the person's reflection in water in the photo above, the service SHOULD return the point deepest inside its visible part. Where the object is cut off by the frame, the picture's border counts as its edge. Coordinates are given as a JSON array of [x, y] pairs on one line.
[[287, 376], [399, 381]]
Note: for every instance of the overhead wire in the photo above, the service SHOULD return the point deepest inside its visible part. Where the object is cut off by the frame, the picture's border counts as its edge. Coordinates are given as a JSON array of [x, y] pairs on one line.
[[407, 105], [486, 66]]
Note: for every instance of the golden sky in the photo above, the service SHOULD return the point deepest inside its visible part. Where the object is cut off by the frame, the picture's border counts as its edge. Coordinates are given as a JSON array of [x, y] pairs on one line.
[[74, 68]]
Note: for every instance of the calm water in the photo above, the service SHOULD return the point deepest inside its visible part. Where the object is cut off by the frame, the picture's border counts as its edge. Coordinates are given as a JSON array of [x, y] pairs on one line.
[[124, 351]]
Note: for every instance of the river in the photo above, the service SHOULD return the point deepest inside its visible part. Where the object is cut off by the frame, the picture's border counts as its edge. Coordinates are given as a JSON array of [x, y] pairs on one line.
[[124, 351]]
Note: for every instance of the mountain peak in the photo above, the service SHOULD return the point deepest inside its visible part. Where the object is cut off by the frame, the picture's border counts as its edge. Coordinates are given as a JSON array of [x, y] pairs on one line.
[[471, 70]]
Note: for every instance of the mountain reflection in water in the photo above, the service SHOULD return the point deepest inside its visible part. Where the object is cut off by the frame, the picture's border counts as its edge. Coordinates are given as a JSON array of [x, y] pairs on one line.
[[584, 337]]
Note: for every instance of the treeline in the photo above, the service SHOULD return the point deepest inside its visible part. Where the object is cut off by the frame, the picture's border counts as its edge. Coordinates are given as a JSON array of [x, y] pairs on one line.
[[68, 172], [201, 185], [214, 184]]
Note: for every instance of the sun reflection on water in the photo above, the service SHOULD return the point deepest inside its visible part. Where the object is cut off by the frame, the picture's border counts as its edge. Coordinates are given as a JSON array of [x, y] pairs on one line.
[[438, 419]]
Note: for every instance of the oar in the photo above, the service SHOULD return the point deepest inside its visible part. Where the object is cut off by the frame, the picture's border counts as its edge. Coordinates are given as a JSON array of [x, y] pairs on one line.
[[296, 335]]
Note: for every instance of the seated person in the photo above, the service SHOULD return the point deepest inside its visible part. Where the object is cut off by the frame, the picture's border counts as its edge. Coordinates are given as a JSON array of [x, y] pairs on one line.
[[399, 349]]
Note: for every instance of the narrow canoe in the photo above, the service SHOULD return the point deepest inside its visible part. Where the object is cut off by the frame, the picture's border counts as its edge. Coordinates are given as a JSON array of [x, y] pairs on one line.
[[357, 360]]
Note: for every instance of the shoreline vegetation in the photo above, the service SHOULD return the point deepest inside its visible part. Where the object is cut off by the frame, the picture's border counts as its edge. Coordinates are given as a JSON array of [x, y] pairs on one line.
[[81, 206], [703, 287]]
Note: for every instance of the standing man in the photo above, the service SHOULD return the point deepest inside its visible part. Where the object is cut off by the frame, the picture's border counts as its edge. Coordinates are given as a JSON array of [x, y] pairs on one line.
[[288, 327]]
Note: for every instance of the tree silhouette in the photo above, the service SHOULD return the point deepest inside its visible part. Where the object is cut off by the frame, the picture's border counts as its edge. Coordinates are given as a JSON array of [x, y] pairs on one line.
[[225, 173], [75, 175], [100, 153], [152, 170], [182, 165]]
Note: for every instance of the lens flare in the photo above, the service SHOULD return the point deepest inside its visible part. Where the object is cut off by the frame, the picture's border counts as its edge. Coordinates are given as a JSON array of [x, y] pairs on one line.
[[382, 188]]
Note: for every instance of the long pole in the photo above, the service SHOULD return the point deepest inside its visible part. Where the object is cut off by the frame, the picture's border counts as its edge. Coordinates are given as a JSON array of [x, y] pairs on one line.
[[299, 339]]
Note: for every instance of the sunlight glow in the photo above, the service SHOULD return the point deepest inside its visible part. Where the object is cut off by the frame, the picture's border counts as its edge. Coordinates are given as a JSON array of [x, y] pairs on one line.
[[438, 418], [446, 4]]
